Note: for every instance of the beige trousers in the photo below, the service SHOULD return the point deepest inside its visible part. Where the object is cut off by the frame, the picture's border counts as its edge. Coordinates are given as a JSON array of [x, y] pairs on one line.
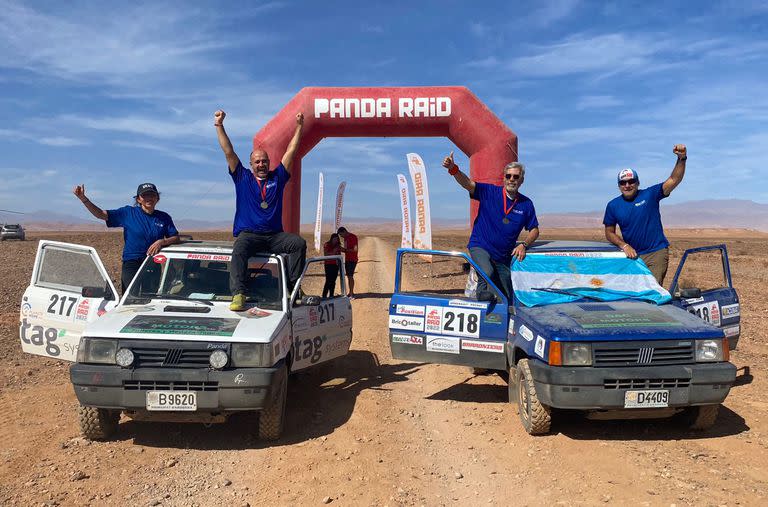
[[657, 262]]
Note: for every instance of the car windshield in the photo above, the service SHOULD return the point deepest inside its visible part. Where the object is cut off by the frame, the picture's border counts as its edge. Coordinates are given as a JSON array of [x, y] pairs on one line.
[[204, 277], [561, 277]]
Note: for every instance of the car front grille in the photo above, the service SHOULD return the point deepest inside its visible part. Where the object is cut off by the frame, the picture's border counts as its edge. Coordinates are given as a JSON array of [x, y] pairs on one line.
[[162, 385], [174, 357], [647, 383], [653, 353]]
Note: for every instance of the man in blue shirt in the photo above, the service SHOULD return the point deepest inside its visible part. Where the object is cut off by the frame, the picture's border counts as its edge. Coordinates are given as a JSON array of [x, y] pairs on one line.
[[636, 211], [145, 229], [503, 213], [258, 224]]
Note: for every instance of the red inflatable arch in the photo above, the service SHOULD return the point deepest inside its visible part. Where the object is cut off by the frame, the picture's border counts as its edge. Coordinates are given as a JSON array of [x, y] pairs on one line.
[[439, 111]]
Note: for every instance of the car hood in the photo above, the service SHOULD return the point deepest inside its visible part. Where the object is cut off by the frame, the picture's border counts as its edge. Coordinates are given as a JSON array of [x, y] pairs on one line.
[[624, 320], [170, 321]]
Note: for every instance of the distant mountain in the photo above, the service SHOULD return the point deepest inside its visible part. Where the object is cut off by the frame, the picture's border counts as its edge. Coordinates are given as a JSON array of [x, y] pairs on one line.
[[710, 214]]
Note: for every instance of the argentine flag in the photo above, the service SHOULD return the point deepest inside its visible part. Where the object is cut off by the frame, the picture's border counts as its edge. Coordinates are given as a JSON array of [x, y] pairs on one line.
[[550, 278]]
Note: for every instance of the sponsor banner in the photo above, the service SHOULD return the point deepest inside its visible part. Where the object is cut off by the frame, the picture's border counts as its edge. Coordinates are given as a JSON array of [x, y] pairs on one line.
[[406, 240], [407, 338], [157, 324], [526, 333], [728, 311], [382, 107], [339, 205], [492, 318], [483, 346], [644, 317], [467, 304], [422, 234], [539, 347], [732, 330], [445, 344], [319, 215], [209, 257], [410, 310], [406, 322]]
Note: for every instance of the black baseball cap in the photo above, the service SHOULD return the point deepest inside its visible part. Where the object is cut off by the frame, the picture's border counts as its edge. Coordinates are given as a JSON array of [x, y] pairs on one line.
[[146, 187]]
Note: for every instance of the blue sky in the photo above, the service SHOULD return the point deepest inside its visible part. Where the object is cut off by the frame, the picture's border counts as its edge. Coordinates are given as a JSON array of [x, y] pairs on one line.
[[111, 96]]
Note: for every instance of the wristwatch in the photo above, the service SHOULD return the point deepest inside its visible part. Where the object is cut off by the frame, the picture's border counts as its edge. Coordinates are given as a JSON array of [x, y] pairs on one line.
[[525, 245]]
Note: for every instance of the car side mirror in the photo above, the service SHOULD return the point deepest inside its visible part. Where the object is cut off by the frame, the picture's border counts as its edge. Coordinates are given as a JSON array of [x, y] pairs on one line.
[[691, 293], [93, 292], [310, 301], [486, 295]]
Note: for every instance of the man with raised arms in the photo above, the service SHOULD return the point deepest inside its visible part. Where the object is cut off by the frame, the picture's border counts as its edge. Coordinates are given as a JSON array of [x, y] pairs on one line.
[[503, 213], [258, 224]]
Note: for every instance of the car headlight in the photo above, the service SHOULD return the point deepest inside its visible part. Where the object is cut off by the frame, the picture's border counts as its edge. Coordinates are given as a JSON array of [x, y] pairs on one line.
[[218, 359], [252, 355], [576, 354], [96, 350], [709, 350]]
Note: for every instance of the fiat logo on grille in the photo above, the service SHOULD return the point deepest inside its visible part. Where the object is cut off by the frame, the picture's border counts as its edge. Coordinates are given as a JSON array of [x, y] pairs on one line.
[[645, 356]]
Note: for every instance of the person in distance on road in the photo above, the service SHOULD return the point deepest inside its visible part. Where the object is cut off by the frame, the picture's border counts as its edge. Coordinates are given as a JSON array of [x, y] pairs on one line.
[[636, 211], [350, 257], [331, 247], [258, 224], [503, 213], [145, 229]]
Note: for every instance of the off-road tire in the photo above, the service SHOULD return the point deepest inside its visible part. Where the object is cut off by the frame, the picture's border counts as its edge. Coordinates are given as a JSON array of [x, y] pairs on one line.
[[98, 423], [702, 417], [272, 417], [535, 416]]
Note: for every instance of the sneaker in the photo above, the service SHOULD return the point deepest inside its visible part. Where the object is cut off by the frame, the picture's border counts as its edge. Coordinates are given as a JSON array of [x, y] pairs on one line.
[[238, 303]]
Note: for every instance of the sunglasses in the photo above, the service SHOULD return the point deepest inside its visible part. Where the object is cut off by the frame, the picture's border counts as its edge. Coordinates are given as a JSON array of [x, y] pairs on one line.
[[627, 182], [512, 176]]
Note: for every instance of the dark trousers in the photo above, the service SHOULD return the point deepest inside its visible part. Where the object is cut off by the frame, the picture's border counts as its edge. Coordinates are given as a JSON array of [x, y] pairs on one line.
[[331, 274], [252, 243], [129, 270], [498, 272]]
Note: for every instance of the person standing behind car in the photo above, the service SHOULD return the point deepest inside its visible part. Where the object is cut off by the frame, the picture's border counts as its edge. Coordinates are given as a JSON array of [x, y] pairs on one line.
[[502, 215], [331, 247], [350, 257], [636, 211], [145, 229]]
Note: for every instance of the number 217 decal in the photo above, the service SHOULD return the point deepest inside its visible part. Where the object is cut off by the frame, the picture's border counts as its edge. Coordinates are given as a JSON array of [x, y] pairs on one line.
[[61, 305]]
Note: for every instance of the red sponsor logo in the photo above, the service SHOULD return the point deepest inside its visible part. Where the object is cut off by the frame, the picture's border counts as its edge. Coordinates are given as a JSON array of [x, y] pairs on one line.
[[160, 259], [82, 310]]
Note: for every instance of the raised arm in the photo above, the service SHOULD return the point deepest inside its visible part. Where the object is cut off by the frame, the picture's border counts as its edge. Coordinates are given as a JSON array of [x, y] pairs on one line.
[[226, 145], [461, 178], [294, 144], [678, 172], [99, 213]]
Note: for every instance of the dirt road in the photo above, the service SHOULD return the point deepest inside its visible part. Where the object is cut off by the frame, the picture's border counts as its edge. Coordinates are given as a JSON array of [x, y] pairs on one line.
[[370, 430]]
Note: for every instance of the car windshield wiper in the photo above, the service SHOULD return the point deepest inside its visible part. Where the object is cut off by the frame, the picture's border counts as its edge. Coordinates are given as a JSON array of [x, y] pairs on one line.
[[133, 300], [176, 297], [567, 293]]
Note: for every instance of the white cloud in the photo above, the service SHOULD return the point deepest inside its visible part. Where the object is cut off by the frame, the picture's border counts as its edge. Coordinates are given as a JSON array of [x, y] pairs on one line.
[[550, 12], [597, 102], [62, 141]]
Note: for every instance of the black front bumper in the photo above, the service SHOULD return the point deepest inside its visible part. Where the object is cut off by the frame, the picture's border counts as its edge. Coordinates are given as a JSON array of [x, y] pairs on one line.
[[110, 386], [590, 388]]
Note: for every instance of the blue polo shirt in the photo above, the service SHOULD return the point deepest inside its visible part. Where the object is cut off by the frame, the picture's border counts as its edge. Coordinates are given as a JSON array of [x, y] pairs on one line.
[[140, 229], [249, 215], [639, 219], [489, 230]]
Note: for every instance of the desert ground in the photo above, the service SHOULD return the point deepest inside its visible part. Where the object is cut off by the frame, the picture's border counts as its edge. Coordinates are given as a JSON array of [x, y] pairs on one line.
[[370, 430]]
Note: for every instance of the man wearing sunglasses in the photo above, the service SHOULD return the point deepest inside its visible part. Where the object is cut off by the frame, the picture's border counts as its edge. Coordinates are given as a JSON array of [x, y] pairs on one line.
[[503, 213], [258, 224], [636, 211]]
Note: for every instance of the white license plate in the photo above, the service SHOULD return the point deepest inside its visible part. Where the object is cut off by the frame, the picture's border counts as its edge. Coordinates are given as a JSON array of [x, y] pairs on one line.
[[648, 398], [170, 400]]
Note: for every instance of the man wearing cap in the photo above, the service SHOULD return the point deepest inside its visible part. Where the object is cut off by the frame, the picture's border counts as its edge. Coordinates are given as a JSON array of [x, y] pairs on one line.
[[636, 211], [145, 229], [503, 213], [258, 224]]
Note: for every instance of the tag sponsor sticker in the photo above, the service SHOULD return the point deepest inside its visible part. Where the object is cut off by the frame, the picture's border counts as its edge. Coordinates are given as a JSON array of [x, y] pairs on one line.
[[526, 333], [483, 346], [407, 338], [445, 344], [406, 322], [539, 348], [410, 310], [468, 304], [728, 311]]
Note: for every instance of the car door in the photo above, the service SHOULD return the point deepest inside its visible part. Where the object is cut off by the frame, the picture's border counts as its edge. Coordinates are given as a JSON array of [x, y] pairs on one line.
[[54, 310], [322, 329], [702, 285]]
